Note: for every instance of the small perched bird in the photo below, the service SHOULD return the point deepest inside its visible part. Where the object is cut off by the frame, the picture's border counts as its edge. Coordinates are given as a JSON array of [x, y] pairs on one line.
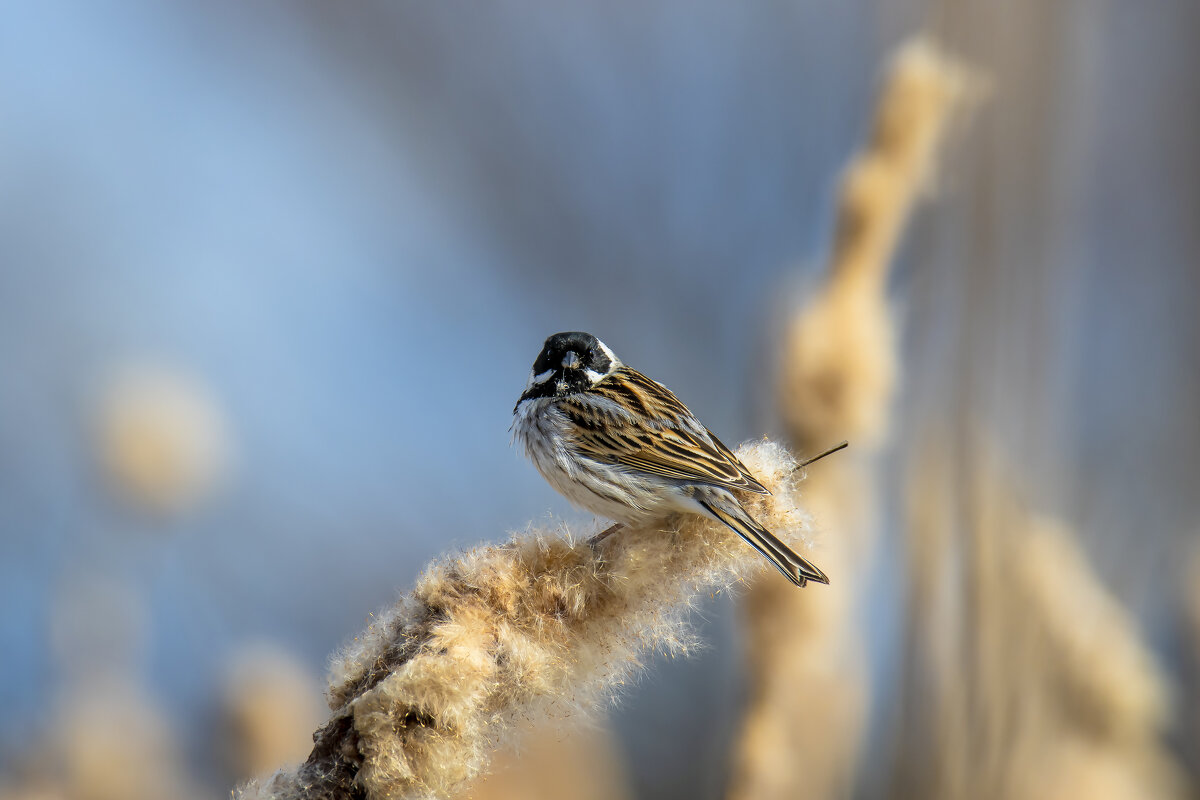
[[621, 445]]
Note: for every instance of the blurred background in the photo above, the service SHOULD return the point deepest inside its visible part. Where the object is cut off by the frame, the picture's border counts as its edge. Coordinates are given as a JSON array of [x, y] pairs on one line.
[[272, 276]]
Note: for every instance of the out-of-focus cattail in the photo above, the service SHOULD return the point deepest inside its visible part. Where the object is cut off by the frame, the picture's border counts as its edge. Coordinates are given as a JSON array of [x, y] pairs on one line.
[[1106, 681], [1190, 682], [802, 727], [110, 743], [541, 626], [1031, 680], [106, 738], [270, 706], [550, 763], [162, 440], [1080, 767], [839, 360], [1104, 700], [35, 790]]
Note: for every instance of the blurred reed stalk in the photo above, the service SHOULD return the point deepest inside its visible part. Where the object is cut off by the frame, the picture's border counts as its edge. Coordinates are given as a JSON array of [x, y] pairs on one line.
[[270, 702], [1189, 597], [802, 728], [104, 737], [162, 440], [107, 740], [553, 763], [502, 636], [1032, 679], [1025, 678]]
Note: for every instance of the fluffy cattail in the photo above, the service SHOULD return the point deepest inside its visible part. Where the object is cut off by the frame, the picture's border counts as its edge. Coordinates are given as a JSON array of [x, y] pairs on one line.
[[544, 625], [837, 376]]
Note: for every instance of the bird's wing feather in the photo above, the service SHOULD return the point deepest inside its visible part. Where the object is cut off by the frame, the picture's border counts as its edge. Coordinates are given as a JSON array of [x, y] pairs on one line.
[[678, 446]]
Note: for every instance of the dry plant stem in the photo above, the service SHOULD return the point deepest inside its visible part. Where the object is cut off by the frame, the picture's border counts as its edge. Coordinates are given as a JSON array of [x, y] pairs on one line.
[[801, 730], [540, 626]]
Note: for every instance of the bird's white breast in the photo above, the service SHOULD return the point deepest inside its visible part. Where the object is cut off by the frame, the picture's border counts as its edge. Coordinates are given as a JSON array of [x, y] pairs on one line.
[[609, 490]]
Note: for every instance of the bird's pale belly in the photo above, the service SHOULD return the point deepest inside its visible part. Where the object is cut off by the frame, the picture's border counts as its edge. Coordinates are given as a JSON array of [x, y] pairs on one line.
[[608, 490]]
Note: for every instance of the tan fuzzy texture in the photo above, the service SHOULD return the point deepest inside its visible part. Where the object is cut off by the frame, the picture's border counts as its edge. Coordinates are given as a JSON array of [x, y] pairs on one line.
[[543, 626], [837, 378]]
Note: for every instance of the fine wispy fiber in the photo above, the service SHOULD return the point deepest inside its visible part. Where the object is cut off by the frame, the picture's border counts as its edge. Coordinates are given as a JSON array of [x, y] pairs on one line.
[[545, 625]]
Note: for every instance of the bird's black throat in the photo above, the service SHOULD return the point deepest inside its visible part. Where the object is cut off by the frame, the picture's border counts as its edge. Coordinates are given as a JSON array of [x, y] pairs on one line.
[[570, 362]]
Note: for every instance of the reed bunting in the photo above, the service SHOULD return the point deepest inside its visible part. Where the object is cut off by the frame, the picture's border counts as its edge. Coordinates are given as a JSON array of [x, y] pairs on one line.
[[621, 445]]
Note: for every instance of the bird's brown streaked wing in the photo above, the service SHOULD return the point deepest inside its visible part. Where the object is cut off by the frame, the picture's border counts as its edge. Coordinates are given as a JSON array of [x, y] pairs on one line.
[[754, 483], [675, 449]]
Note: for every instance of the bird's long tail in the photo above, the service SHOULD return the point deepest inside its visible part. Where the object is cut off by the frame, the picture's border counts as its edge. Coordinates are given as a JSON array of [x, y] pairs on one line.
[[795, 568]]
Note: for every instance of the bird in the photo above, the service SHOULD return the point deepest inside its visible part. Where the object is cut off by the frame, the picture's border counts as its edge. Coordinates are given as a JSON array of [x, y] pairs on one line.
[[621, 445]]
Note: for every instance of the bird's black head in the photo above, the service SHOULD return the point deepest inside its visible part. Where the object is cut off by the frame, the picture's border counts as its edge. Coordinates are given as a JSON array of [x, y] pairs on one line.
[[570, 362]]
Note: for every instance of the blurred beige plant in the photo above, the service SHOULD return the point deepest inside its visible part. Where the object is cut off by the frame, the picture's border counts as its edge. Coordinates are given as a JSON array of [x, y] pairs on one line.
[[106, 741], [580, 762], [37, 790], [113, 744], [161, 437], [542, 626], [270, 705], [801, 731], [1189, 597], [106, 738], [1033, 680]]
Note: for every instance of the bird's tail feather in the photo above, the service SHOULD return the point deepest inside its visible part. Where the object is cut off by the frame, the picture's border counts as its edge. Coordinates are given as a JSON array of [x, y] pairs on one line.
[[795, 568]]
